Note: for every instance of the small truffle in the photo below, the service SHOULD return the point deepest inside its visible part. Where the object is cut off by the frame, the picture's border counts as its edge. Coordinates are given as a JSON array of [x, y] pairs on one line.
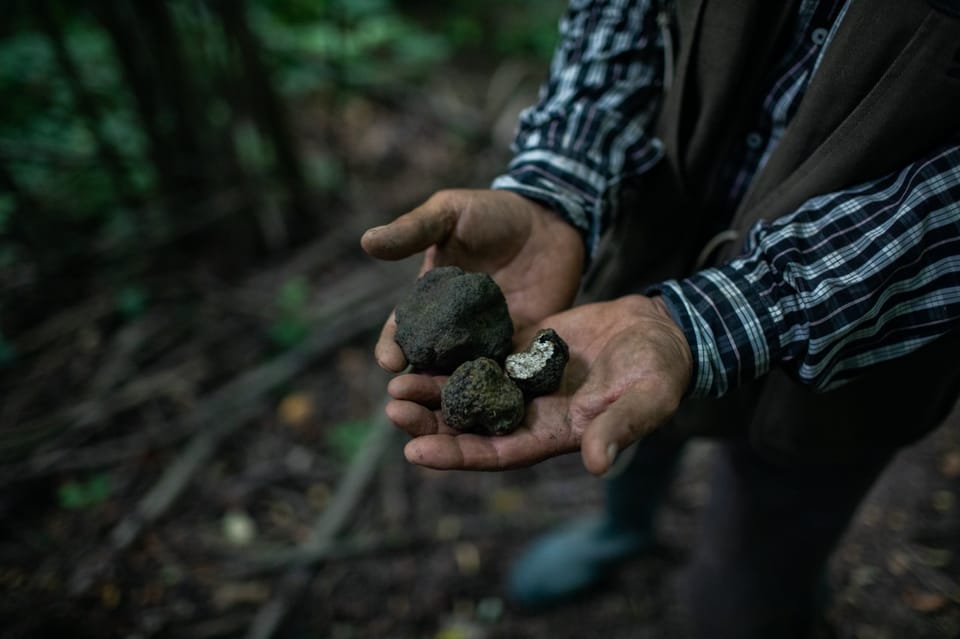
[[480, 398], [452, 317], [539, 369]]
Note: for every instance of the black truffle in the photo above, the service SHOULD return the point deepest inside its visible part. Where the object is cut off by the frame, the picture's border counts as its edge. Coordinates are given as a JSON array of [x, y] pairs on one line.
[[451, 317], [480, 398], [539, 369]]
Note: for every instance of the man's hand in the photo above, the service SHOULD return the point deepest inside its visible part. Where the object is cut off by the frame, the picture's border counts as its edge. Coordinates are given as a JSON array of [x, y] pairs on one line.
[[630, 365], [534, 256]]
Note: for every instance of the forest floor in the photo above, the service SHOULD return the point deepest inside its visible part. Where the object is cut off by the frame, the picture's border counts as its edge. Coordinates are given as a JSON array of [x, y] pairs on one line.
[[192, 480]]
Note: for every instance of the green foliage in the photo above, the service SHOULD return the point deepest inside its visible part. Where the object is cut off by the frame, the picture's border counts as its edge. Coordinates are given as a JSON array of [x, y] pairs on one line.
[[363, 44], [346, 45], [76, 495], [52, 148], [291, 311], [503, 28], [101, 183], [131, 301], [8, 354], [346, 438]]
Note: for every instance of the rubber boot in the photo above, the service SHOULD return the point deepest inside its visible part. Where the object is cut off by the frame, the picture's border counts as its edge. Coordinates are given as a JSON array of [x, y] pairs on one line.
[[579, 555]]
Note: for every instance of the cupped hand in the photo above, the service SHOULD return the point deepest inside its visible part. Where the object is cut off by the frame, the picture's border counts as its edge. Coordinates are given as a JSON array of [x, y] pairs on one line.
[[535, 257], [630, 365]]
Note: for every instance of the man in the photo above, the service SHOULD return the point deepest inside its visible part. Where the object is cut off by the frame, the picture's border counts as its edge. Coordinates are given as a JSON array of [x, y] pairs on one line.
[[780, 198]]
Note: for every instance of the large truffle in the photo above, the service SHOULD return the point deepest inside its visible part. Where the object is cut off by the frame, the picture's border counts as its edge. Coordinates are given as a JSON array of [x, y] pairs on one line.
[[539, 369], [480, 398], [451, 317]]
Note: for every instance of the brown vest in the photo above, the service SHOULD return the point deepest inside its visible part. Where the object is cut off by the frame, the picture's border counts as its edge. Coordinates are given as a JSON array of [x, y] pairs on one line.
[[886, 91]]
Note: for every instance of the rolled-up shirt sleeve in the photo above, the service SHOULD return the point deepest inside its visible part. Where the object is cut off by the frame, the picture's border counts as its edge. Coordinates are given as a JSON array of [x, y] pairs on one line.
[[591, 127], [849, 280]]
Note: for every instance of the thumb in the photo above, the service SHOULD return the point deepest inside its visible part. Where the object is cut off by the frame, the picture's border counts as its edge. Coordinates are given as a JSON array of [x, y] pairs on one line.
[[625, 421], [426, 225]]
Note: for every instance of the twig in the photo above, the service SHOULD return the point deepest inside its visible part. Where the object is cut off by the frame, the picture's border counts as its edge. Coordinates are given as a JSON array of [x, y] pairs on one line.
[[64, 323], [226, 410], [368, 291], [81, 417], [327, 526], [369, 544]]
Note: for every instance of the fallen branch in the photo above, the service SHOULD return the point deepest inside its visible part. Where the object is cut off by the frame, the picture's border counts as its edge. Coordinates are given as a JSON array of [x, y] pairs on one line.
[[375, 544], [327, 526], [226, 410], [354, 305], [81, 418]]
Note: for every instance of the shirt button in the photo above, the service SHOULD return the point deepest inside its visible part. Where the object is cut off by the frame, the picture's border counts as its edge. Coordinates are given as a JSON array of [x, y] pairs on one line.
[[819, 36], [754, 141]]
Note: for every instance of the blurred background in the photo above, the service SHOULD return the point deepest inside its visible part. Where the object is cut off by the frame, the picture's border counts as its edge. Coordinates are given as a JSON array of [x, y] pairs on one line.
[[191, 431]]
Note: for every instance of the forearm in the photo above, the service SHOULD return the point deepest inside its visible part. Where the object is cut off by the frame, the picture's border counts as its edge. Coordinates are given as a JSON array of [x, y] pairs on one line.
[[849, 280], [591, 126]]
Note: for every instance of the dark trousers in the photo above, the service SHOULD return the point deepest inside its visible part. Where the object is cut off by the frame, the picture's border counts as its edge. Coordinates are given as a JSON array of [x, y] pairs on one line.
[[764, 539]]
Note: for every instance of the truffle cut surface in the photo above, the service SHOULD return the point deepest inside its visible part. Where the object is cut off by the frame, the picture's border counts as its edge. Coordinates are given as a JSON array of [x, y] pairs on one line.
[[539, 369]]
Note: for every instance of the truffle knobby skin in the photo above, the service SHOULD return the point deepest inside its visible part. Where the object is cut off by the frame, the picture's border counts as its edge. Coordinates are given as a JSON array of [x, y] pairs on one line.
[[480, 398], [539, 369], [451, 317]]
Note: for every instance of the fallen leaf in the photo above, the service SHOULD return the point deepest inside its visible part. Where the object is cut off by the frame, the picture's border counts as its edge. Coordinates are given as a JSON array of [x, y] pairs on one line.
[[232, 594], [923, 601], [934, 557], [110, 596], [896, 520], [898, 562], [448, 528], [942, 501], [238, 527], [872, 514], [505, 501], [950, 464], [295, 409], [863, 576], [318, 495], [468, 558]]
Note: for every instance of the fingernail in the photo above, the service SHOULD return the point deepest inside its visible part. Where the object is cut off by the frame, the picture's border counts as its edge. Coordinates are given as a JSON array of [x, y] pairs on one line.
[[612, 451]]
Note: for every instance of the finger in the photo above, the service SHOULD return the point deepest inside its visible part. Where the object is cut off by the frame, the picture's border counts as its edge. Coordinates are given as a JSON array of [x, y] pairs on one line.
[[426, 225], [625, 421], [387, 352], [422, 389], [475, 452], [453, 452], [413, 418]]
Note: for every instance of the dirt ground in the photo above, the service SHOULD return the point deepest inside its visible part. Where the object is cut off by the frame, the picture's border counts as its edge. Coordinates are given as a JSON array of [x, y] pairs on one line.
[[424, 553]]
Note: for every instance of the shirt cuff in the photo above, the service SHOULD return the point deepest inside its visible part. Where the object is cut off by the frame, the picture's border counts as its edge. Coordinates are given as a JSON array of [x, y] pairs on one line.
[[582, 195], [731, 316]]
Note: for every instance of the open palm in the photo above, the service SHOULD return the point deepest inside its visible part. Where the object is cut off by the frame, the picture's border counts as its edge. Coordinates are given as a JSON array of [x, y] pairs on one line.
[[629, 367], [534, 256]]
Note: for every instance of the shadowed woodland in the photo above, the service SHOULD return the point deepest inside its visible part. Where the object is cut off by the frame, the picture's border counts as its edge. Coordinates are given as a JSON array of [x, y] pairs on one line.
[[191, 432]]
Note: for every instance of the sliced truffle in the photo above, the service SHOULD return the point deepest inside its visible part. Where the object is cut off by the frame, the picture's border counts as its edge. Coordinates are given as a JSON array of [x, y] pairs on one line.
[[480, 398], [539, 369], [451, 317]]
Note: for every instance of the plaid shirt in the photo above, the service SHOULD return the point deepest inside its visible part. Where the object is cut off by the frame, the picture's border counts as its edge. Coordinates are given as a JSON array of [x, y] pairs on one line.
[[848, 280]]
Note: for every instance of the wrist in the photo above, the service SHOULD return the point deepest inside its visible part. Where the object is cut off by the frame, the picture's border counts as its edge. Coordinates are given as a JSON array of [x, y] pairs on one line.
[[682, 345]]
